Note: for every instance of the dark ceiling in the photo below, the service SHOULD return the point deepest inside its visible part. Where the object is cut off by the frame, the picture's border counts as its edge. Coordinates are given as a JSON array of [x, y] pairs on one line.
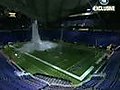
[[45, 10], [58, 10]]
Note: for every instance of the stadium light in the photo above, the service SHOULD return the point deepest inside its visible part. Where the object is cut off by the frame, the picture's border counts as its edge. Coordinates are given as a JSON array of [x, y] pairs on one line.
[[11, 14], [82, 14]]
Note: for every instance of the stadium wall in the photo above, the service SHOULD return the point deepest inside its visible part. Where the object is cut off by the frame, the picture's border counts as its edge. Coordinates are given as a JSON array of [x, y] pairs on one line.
[[86, 37]]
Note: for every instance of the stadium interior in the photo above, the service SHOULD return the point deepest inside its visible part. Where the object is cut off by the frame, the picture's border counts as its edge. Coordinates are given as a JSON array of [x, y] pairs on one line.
[[59, 45]]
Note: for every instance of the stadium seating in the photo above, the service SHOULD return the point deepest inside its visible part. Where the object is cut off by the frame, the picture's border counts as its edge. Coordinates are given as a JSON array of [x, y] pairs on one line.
[[112, 79], [90, 38], [54, 87], [8, 79], [53, 80]]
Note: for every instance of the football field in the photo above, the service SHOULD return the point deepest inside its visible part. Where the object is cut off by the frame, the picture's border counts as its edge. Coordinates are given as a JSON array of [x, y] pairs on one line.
[[68, 61]]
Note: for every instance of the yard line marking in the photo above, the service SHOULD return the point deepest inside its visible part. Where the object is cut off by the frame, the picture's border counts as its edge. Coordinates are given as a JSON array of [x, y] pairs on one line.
[[55, 67], [100, 59], [86, 72]]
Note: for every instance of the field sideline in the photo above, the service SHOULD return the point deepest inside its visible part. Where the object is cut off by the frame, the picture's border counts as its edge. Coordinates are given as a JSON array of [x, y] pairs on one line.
[[70, 62], [63, 71]]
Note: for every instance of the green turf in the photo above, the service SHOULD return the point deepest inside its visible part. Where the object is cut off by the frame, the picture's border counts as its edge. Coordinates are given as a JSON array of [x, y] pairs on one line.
[[70, 57]]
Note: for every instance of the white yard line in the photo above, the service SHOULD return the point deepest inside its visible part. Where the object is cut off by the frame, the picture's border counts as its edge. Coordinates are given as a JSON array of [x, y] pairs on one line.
[[17, 66], [12, 62], [100, 59], [61, 70], [86, 72], [99, 68], [55, 67]]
